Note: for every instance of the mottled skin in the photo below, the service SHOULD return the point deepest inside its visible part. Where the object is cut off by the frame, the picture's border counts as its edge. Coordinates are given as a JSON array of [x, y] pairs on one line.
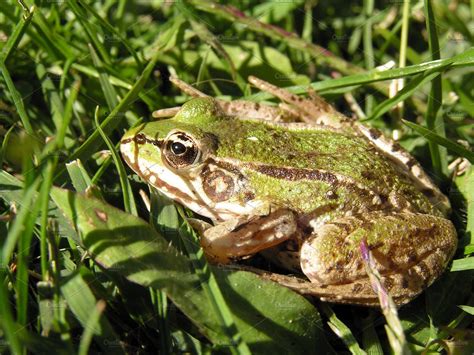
[[303, 194]]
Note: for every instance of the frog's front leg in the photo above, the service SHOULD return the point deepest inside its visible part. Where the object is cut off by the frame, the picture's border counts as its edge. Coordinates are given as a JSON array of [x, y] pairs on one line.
[[246, 236], [410, 251]]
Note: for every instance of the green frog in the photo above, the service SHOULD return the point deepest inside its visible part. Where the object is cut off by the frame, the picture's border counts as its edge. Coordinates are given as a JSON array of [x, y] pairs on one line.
[[303, 194]]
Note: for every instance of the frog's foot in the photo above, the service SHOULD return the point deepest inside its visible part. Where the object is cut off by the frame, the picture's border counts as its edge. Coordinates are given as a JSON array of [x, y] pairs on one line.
[[238, 108], [312, 110], [409, 250], [237, 238]]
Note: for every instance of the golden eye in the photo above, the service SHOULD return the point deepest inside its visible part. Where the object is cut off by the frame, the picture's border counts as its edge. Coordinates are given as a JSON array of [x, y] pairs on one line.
[[181, 151]]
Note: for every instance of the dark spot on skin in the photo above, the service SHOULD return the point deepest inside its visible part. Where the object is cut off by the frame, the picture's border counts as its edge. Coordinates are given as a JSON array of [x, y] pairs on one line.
[[388, 283], [411, 162], [374, 133], [101, 215], [383, 198], [140, 138], [424, 269], [405, 282], [369, 175], [297, 174], [375, 245], [248, 196], [396, 147], [307, 231], [428, 192], [356, 288], [412, 256], [331, 195], [217, 185]]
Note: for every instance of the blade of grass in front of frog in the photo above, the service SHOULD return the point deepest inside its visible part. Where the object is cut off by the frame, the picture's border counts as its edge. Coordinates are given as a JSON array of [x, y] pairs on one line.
[[341, 330], [90, 326], [467, 309], [434, 120], [81, 180], [77, 294], [370, 339], [393, 328], [208, 282], [159, 300], [128, 199], [431, 136], [164, 218], [8, 325], [462, 264]]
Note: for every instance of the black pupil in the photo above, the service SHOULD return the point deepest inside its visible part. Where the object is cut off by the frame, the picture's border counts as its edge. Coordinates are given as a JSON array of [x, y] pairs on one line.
[[178, 148]]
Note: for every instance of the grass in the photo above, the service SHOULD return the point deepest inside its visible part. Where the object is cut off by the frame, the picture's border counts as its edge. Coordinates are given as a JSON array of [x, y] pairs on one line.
[[83, 272]]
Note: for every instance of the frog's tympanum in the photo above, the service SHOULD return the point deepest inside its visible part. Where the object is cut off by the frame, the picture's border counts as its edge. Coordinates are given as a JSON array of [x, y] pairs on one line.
[[304, 195]]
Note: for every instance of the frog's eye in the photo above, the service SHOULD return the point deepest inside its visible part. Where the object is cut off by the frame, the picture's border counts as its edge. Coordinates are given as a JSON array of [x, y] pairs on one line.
[[180, 150]]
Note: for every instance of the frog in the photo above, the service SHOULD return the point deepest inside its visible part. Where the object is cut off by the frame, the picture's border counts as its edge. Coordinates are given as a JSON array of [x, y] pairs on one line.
[[303, 185]]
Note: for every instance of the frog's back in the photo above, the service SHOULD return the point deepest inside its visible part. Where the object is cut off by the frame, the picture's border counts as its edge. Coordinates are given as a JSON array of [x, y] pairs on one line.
[[320, 165]]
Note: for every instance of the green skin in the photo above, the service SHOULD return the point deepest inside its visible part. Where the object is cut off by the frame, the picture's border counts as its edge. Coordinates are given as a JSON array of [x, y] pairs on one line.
[[330, 188]]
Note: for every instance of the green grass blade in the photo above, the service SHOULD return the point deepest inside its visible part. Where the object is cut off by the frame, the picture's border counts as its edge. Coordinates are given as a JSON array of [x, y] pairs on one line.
[[44, 210], [342, 331], [431, 136], [25, 211], [462, 264], [77, 292], [17, 99], [208, 282], [406, 92], [112, 30], [128, 199], [91, 33], [16, 35], [434, 121], [368, 49], [468, 309], [352, 81], [68, 113], [7, 322], [107, 88], [92, 321]]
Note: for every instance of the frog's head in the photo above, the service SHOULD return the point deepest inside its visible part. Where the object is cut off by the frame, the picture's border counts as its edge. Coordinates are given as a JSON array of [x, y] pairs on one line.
[[176, 156]]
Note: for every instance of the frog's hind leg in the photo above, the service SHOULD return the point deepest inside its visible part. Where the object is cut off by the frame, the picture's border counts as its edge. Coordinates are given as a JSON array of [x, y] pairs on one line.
[[410, 251], [312, 110], [238, 108]]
